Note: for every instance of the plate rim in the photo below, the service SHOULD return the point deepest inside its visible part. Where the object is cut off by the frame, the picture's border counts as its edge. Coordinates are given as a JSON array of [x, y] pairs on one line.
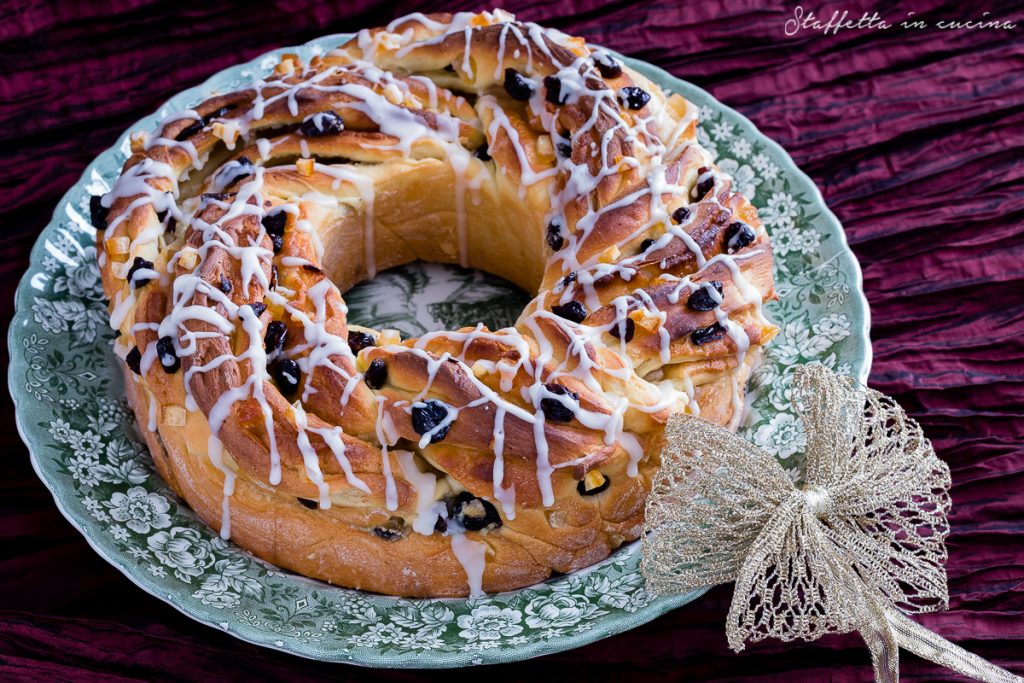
[[438, 660]]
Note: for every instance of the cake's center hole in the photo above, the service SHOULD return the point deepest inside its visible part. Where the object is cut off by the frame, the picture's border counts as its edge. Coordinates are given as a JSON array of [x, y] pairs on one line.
[[421, 297]]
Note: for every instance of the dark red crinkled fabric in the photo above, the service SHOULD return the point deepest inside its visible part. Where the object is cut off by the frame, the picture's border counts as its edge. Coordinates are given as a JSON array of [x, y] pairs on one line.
[[916, 139]]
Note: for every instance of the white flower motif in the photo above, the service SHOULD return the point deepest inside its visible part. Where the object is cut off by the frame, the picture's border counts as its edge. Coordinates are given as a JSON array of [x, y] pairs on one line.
[[140, 510], [119, 533], [386, 633], [183, 550], [759, 161], [722, 130], [785, 237], [552, 633], [140, 553], [794, 473], [60, 430], [490, 622], [780, 210], [810, 241], [157, 570], [797, 339], [82, 278], [85, 443], [834, 327], [217, 599], [706, 113], [740, 148], [83, 469], [783, 435], [558, 610], [707, 143], [744, 180]]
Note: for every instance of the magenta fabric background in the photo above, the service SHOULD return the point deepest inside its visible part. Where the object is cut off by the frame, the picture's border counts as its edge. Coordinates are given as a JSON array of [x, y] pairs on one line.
[[916, 139]]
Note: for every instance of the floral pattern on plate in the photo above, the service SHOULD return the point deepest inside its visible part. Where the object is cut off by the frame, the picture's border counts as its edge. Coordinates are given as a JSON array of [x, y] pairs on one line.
[[85, 446]]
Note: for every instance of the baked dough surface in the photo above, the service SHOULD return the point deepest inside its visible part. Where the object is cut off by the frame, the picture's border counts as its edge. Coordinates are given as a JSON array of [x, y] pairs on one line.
[[463, 461]]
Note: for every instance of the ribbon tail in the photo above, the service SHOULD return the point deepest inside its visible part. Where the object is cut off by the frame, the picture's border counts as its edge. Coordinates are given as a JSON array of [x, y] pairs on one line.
[[933, 647], [882, 641]]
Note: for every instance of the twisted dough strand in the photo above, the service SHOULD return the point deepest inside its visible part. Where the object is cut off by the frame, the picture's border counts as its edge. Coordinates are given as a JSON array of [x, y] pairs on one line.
[[459, 461]]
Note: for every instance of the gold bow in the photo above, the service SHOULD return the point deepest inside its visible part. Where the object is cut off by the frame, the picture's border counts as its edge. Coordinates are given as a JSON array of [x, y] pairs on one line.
[[862, 542]]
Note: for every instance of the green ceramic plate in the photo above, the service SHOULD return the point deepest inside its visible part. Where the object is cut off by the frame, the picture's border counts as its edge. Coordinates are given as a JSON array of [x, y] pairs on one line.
[[85, 449]]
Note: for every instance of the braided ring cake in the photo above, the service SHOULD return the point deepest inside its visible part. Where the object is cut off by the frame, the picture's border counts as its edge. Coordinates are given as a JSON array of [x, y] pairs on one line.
[[458, 462]]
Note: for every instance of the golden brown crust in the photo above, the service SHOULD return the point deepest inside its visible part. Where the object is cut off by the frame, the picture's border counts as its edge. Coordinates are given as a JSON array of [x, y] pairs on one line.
[[255, 210]]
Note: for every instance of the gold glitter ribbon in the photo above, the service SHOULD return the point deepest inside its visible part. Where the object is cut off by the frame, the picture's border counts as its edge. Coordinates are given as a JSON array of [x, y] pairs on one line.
[[858, 545]]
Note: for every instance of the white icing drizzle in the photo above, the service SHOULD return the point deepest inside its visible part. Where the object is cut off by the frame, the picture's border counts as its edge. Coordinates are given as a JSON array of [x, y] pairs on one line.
[[657, 137], [472, 555]]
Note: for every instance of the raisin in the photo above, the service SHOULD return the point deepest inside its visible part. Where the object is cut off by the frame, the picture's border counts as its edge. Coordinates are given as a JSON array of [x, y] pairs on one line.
[[225, 284], [553, 408], [309, 504], [647, 244], [97, 212], [573, 311], [607, 65], [553, 91], [680, 214], [701, 300], [738, 235], [273, 340], [482, 153], [287, 374], [357, 341], [707, 334], [134, 360], [427, 416], [554, 236], [322, 123], [139, 264], [634, 98], [517, 85], [275, 222], [376, 374], [623, 330], [258, 307], [167, 355], [474, 514], [706, 185], [570, 278], [581, 487]]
